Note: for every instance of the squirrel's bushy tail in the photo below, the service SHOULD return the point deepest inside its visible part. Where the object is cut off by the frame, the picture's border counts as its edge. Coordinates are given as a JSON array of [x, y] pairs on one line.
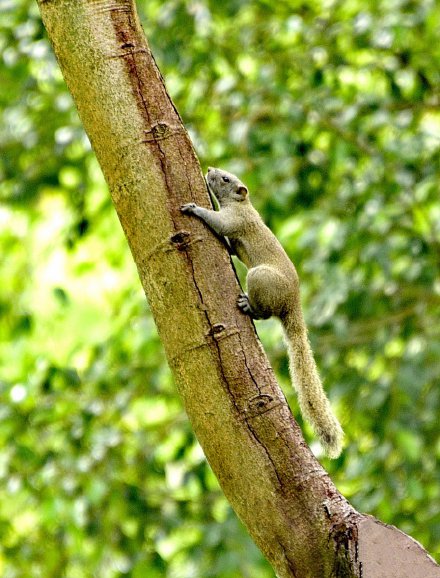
[[313, 402]]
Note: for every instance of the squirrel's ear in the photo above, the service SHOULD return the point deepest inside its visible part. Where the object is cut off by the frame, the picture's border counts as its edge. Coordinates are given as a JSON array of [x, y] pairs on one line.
[[242, 192]]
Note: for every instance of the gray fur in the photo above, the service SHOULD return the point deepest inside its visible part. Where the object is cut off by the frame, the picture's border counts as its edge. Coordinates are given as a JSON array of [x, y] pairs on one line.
[[273, 289]]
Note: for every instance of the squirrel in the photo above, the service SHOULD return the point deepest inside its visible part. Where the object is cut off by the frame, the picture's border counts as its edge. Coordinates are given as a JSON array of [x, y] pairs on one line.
[[272, 289]]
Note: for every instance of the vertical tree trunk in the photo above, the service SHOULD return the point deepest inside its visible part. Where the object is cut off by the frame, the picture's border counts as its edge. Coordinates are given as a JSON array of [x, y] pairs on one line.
[[284, 497]]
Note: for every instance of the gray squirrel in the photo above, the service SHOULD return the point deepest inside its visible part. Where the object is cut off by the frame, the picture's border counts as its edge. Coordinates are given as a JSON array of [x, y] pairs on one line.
[[273, 289]]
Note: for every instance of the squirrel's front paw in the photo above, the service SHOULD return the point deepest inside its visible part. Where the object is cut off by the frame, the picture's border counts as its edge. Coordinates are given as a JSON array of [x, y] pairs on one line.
[[188, 208]]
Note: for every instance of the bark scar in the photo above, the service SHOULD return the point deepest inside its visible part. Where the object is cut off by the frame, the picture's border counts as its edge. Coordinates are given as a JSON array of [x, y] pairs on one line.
[[220, 331], [127, 49], [161, 131], [101, 6], [261, 403]]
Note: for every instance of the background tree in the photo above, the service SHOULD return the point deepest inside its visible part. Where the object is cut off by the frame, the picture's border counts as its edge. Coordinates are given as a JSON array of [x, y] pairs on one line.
[[325, 137]]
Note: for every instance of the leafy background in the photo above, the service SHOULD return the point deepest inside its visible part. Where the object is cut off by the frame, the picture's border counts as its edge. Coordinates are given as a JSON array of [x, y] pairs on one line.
[[329, 110]]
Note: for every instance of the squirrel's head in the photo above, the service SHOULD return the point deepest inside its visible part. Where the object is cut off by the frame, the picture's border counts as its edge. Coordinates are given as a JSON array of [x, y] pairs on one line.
[[225, 186]]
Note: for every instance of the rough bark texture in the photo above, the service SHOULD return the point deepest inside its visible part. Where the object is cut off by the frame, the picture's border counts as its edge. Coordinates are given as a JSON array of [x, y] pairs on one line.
[[281, 493]]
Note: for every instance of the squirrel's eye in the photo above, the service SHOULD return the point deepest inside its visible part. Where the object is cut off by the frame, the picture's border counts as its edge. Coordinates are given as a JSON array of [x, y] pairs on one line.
[[226, 179]]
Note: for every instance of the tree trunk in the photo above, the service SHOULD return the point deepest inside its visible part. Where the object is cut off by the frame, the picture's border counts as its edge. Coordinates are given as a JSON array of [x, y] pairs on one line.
[[291, 508]]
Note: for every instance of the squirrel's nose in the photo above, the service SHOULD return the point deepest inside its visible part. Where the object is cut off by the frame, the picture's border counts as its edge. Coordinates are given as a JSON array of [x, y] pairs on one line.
[[210, 169]]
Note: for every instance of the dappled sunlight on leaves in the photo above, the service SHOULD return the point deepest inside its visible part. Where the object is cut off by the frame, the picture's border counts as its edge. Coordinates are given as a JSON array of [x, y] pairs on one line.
[[330, 113]]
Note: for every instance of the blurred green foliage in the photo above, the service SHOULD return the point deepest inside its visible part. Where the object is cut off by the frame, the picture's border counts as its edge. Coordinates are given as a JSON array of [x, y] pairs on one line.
[[329, 110]]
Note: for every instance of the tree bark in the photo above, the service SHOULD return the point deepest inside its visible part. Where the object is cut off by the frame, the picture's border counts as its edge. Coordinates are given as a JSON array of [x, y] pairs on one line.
[[291, 508]]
